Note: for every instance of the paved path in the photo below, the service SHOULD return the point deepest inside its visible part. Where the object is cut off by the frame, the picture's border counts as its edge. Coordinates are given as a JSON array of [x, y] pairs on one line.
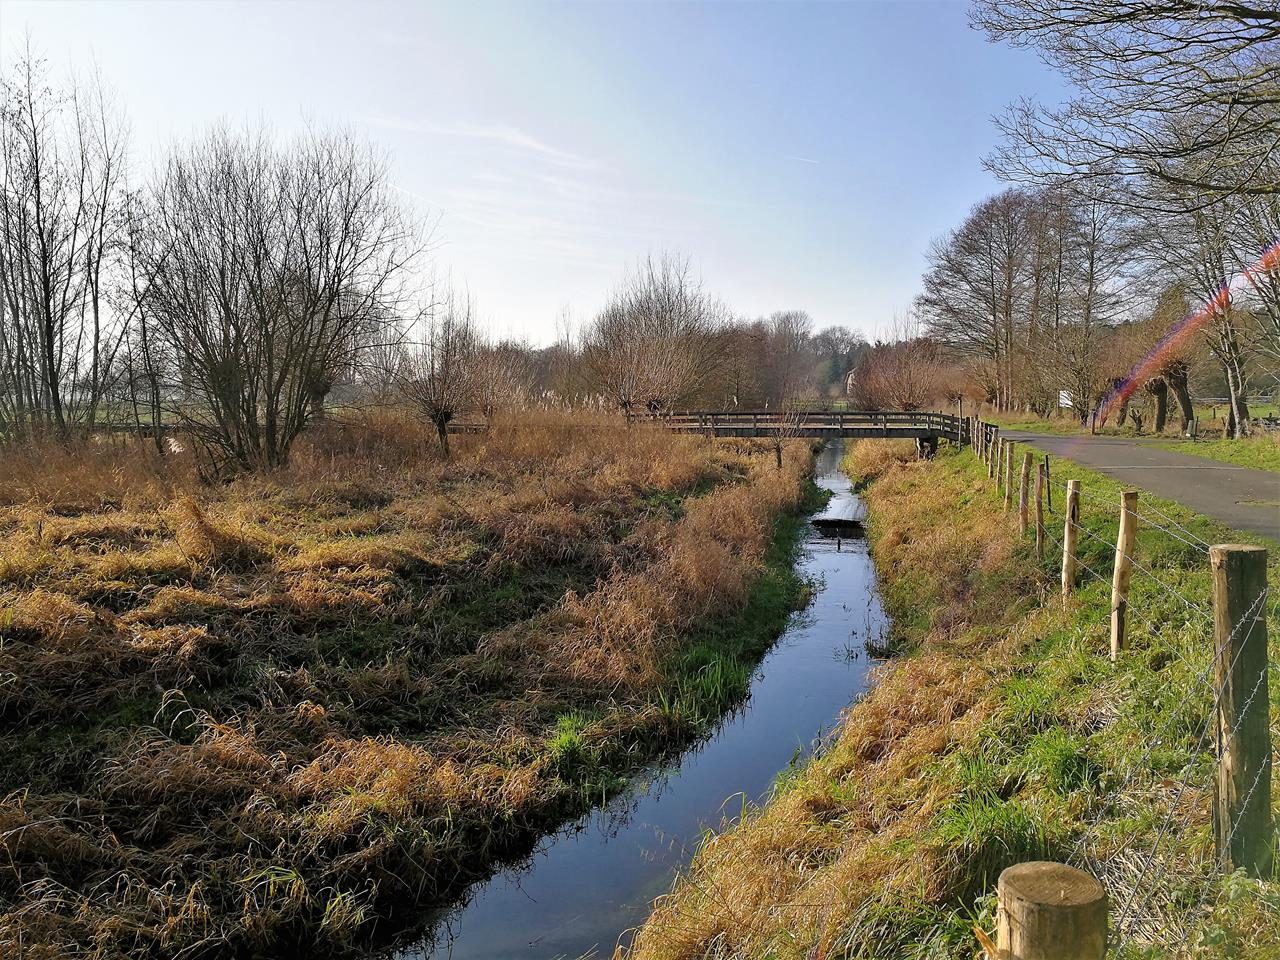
[[1240, 497]]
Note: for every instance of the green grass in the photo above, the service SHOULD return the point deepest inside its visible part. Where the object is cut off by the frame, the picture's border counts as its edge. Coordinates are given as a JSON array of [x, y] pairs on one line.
[[1261, 452], [1082, 745]]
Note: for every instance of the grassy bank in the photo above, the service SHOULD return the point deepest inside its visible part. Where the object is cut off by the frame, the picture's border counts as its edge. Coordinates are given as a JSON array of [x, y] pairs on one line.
[[1261, 452], [271, 715], [1002, 734]]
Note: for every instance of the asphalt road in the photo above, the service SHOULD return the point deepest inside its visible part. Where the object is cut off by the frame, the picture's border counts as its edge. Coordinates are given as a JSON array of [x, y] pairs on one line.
[[1240, 497]]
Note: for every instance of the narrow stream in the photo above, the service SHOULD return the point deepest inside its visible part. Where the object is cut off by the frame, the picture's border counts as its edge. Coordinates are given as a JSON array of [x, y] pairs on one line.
[[588, 884]]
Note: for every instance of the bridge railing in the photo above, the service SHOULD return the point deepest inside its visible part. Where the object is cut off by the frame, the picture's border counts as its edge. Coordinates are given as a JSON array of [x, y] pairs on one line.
[[888, 422]]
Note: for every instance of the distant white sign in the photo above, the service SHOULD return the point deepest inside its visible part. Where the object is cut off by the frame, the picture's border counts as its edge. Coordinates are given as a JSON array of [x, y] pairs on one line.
[[1064, 399]]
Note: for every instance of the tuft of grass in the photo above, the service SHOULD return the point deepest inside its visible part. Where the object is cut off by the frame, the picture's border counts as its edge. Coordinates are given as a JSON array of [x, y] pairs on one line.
[[206, 543]]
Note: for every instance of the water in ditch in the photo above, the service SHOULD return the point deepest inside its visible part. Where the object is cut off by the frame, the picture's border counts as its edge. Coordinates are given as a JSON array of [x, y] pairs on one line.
[[587, 885]]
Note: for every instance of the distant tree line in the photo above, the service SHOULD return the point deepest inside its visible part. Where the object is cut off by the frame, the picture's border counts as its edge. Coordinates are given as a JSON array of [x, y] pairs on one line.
[[252, 285]]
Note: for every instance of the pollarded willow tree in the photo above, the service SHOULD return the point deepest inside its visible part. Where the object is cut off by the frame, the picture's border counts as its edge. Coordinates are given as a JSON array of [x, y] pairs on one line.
[[441, 363], [658, 341], [268, 271], [1195, 248]]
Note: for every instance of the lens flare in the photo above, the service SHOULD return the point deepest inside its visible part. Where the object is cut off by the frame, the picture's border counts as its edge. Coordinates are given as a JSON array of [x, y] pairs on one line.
[[1179, 333]]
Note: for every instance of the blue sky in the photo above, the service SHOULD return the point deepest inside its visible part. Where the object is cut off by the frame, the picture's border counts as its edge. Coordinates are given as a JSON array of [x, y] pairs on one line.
[[803, 155]]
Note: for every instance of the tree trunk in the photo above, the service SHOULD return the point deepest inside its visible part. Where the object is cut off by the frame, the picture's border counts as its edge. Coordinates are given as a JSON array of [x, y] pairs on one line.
[[1176, 378], [1160, 391], [1238, 418], [442, 432]]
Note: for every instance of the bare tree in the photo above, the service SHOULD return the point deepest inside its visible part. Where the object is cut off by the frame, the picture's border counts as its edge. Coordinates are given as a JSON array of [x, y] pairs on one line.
[[1195, 249], [786, 356], [1028, 288], [975, 291], [904, 373], [658, 341], [62, 158], [1256, 230], [439, 369], [742, 369], [270, 269], [1182, 93], [503, 378]]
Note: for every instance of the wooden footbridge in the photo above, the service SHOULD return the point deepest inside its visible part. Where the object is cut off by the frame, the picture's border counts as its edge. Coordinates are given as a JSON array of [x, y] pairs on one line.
[[821, 424]]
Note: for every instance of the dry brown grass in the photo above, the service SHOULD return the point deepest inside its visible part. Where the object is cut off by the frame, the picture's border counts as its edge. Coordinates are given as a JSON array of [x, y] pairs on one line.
[[869, 459], [263, 713]]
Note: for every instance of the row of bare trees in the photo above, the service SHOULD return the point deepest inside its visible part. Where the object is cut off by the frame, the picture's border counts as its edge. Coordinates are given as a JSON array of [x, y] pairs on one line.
[[250, 283], [663, 341], [62, 176], [226, 298], [1149, 196]]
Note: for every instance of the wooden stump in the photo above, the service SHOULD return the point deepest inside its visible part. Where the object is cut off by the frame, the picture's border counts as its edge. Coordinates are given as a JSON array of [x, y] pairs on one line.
[[1049, 911]]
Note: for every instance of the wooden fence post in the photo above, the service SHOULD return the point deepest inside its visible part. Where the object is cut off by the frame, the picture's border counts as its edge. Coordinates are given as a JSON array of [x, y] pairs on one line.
[[992, 458], [1069, 537], [1024, 494], [1242, 798], [1040, 479], [1123, 571], [1008, 475], [1049, 911], [1000, 445]]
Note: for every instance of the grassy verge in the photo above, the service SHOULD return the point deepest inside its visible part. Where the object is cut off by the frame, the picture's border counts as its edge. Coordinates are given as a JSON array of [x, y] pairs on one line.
[[1261, 452], [1002, 734], [265, 717]]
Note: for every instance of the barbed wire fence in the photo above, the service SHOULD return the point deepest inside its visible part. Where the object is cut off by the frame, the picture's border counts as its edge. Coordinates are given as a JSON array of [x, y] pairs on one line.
[[1194, 805]]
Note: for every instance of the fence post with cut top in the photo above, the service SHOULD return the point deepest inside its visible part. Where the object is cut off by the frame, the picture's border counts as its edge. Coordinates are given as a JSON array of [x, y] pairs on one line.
[[1008, 474], [1041, 477], [1123, 572], [1070, 535], [1242, 798], [1050, 911], [1024, 494]]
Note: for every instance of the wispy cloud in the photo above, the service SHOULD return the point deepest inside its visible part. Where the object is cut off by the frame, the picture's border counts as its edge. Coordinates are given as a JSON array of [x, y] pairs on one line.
[[803, 159], [505, 136]]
